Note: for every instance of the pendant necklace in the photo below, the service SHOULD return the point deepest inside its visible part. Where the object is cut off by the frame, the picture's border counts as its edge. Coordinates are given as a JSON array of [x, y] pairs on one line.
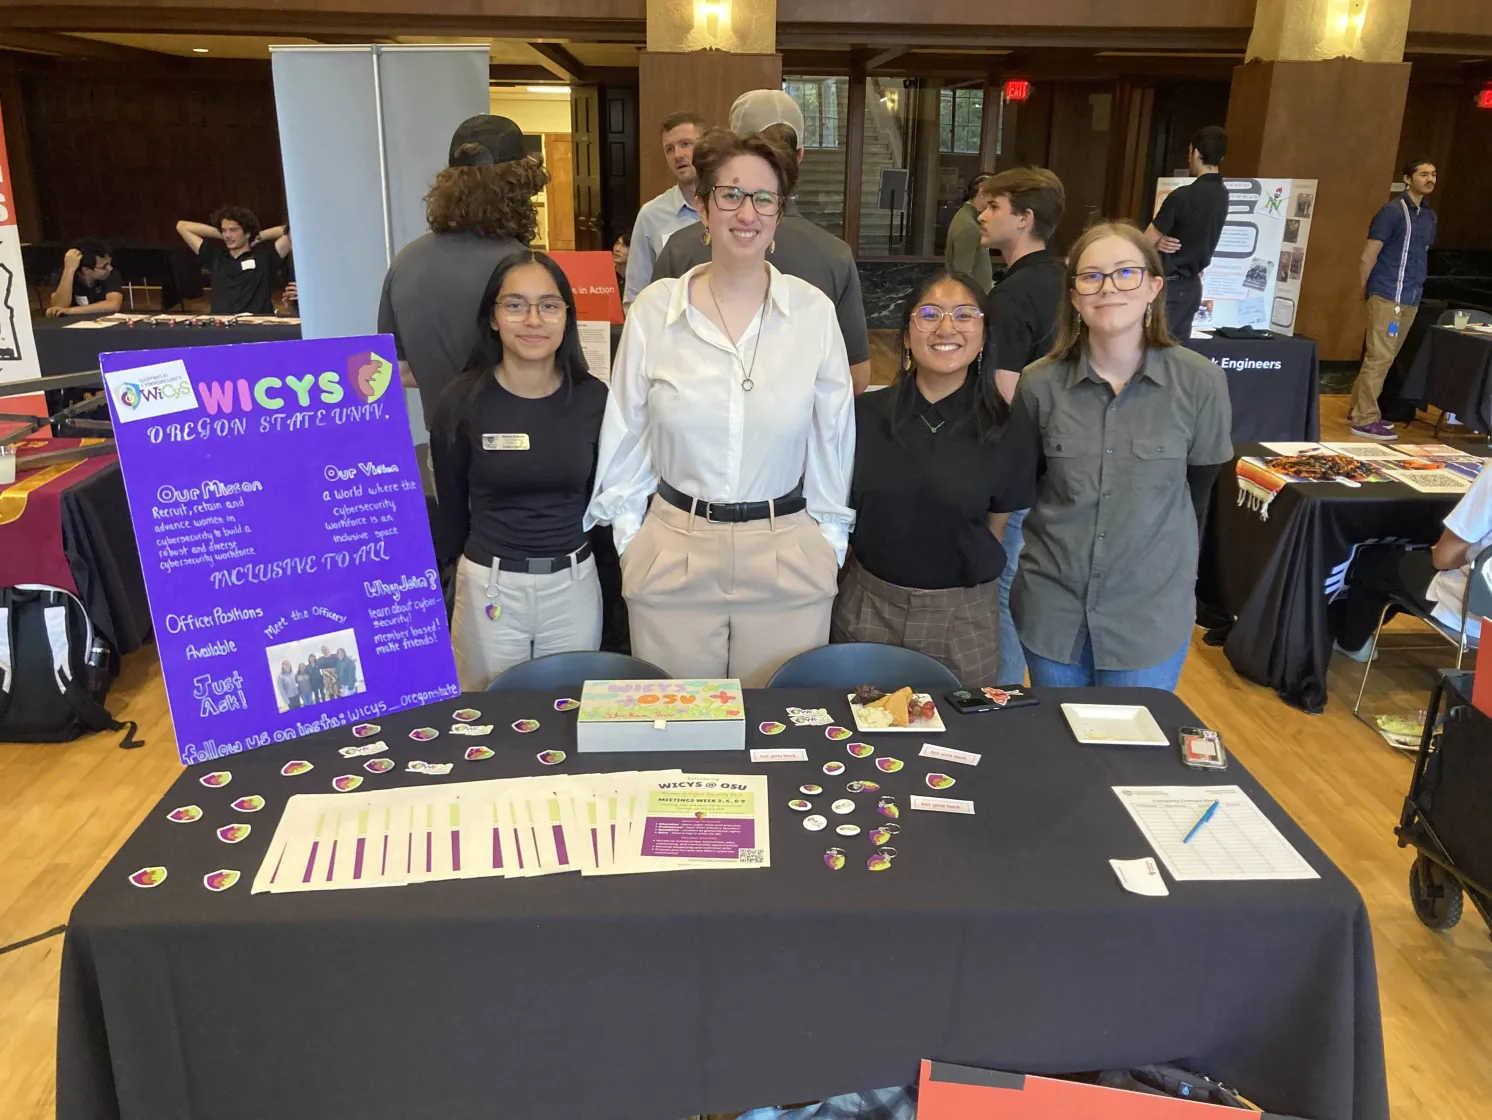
[[933, 428], [747, 384]]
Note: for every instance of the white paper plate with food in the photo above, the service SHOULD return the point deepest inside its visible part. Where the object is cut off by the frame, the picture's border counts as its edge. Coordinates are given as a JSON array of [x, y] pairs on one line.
[[1114, 725], [902, 710]]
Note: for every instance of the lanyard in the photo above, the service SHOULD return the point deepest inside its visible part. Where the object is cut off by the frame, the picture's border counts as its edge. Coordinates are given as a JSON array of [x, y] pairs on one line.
[[1404, 253]]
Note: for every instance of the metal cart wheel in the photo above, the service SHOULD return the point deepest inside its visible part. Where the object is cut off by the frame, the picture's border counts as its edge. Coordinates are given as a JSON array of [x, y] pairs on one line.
[[1437, 895]]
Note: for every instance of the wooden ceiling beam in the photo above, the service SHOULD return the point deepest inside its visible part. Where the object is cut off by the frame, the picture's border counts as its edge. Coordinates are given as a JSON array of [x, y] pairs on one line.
[[563, 64], [71, 46]]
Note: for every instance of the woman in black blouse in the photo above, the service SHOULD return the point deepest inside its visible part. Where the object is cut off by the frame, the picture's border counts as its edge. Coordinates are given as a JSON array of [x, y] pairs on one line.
[[513, 449], [937, 473]]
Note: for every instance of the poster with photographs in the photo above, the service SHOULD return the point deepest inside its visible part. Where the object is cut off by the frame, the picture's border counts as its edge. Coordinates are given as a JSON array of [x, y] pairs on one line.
[[1255, 275]]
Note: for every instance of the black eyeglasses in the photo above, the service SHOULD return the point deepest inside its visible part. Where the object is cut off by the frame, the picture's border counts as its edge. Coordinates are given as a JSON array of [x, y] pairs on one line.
[[765, 203], [1125, 279]]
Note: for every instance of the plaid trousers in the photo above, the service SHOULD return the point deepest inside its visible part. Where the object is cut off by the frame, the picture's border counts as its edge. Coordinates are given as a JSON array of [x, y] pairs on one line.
[[959, 626]]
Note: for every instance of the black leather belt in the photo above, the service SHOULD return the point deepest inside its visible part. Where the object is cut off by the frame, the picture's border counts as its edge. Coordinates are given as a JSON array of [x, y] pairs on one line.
[[793, 502], [534, 565]]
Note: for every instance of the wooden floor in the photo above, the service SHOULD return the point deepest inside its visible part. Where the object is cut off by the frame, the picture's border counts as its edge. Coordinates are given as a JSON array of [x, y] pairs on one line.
[[65, 808]]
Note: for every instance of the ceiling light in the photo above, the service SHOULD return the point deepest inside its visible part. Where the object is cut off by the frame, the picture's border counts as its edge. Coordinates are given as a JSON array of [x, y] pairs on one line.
[[199, 50], [548, 89]]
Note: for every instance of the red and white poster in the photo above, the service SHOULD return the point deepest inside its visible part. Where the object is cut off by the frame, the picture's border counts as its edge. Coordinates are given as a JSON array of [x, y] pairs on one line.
[[598, 304], [17, 347]]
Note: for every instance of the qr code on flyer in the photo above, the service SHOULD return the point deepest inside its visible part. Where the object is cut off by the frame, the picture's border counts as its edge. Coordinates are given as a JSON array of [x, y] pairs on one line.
[[750, 855]]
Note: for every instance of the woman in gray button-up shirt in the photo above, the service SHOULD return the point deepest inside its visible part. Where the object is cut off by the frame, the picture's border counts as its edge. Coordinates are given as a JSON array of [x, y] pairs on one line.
[[1132, 429]]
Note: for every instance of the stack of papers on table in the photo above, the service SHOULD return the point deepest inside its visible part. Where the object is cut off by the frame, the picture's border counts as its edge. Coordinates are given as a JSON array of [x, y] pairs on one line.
[[1238, 842], [597, 824]]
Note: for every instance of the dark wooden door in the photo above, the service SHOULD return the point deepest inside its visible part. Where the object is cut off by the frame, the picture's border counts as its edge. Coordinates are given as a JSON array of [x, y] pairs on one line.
[[619, 158], [585, 113]]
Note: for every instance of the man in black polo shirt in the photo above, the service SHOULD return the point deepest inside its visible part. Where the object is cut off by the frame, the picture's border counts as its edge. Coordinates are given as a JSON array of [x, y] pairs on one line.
[[1022, 208], [240, 258], [1187, 228], [800, 249], [87, 282]]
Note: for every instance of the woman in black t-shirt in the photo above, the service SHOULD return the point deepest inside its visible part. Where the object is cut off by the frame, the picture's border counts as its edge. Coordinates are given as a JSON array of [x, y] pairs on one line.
[[513, 450], [937, 472]]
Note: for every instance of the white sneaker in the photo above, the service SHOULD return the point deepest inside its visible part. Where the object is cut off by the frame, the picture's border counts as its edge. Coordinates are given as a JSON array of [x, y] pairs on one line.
[[1358, 655]]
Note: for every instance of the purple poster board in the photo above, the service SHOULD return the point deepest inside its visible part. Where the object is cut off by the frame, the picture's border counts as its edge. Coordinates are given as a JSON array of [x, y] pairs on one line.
[[283, 530]]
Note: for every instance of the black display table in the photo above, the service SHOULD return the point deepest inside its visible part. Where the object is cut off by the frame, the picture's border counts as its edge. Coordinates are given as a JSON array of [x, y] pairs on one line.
[[1273, 383], [1000, 940], [60, 350], [1453, 372], [1266, 583]]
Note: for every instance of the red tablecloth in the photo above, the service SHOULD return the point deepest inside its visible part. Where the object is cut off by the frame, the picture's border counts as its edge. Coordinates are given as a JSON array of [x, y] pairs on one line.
[[31, 516]]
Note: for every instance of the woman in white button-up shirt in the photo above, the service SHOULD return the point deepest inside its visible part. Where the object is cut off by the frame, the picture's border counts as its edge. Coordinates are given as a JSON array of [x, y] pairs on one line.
[[731, 402]]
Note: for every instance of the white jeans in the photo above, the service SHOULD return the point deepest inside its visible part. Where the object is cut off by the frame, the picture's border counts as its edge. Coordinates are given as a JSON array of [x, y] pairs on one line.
[[530, 615]]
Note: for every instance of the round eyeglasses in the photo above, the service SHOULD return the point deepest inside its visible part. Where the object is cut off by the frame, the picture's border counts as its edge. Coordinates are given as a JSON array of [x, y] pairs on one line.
[[765, 203], [512, 309], [1125, 279], [965, 317]]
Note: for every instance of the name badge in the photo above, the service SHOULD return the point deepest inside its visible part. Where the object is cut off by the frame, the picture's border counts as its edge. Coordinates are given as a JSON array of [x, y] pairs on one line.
[[248, 263], [505, 441]]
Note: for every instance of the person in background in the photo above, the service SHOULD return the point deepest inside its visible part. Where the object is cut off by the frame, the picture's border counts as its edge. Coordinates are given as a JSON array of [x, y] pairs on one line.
[[1435, 578], [1019, 210], [513, 451], [346, 673], [1187, 228], [285, 682], [800, 248], [1131, 429], [1393, 269], [240, 258], [325, 668], [620, 250], [305, 685], [87, 282], [732, 402], [663, 216], [936, 474], [480, 210], [966, 251]]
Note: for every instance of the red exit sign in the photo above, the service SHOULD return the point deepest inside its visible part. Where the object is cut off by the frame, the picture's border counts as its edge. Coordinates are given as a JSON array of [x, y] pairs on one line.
[[1019, 89], [1484, 98]]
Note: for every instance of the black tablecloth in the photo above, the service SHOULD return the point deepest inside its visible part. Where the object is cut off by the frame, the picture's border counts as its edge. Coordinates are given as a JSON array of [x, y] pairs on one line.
[[60, 350], [99, 540], [1273, 578], [1000, 940], [1273, 383], [1453, 371]]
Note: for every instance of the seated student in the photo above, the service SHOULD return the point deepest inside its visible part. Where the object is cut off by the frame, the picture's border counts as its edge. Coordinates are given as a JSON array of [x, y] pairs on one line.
[[240, 258], [513, 448], [87, 282], [936, 475], [1435, 578]]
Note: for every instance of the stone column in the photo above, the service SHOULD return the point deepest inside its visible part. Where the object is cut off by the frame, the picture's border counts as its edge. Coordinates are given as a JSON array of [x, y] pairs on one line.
[[701, 55], [1321, 96]]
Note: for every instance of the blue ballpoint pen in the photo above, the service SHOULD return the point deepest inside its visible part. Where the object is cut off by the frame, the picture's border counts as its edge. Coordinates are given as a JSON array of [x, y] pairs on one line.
[[1203, 819]]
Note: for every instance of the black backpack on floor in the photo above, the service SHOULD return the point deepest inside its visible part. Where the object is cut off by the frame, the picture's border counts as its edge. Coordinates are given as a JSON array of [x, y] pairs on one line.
[[52, 676]]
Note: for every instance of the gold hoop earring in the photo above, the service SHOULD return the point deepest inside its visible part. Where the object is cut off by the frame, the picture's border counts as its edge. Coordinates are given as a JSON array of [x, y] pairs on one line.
[[772, 248], [705, 237], [906, 359], [1149, 315]]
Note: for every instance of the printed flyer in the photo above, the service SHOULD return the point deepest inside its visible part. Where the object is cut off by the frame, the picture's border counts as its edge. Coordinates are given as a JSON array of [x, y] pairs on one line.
[[1255, 275], [282, 527]]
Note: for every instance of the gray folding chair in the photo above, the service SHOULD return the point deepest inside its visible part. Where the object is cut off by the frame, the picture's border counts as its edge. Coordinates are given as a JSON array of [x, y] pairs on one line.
[[1478, 603]]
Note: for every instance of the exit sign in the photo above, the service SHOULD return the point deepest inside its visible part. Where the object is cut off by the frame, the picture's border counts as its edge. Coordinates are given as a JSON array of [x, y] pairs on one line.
[[1484, 98], [1019, 89]]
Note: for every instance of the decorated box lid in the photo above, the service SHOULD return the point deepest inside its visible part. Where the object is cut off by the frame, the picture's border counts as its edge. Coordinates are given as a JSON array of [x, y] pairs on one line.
[[648, 701]]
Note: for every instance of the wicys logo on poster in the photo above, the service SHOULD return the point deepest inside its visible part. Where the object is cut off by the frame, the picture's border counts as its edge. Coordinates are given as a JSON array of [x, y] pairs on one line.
[[367, 375], [158, 390]]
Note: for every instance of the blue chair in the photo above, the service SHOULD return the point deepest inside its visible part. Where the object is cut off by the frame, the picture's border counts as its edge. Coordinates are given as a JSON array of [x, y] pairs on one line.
[[850, 663], [568, 672]]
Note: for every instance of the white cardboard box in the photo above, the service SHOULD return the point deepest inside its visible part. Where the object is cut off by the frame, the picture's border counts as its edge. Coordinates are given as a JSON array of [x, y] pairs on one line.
[[682, 715]]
